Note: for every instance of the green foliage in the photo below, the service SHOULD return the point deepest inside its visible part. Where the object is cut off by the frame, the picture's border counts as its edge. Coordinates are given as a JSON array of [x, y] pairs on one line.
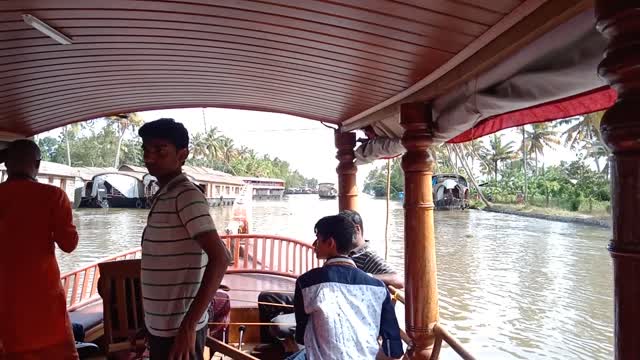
[[376, 182], [573, 186]]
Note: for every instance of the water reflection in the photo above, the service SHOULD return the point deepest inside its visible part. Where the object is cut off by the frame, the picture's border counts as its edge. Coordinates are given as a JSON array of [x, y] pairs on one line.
[[510, 287]]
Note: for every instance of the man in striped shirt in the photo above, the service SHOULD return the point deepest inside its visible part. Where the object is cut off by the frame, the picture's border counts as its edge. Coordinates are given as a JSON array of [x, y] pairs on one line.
[[183, 258]]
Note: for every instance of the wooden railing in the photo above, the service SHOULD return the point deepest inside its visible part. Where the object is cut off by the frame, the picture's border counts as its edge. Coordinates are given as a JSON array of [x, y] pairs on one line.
[[81, 285], [270, 254], [265, 254], [440, 332]]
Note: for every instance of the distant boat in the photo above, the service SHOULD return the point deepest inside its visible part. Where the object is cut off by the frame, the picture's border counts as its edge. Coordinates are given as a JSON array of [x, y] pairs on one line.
[[450, 192], [327, 191], [115, 190]]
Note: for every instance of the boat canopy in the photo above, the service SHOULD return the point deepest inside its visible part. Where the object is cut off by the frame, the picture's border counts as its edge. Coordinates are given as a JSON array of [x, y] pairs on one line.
[[128, 185], [483, 65]]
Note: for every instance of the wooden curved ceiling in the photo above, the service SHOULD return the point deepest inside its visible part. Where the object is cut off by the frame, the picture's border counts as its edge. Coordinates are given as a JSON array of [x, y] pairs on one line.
[[323, 60]]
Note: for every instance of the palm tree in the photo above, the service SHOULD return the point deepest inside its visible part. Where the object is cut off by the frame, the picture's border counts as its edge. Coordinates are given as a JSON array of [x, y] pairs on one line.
[[124, 122], [211, 141], [471, 150], [540, 136], [70, 131], [584, 133], [227, 152], [497, 152], [458, 151]]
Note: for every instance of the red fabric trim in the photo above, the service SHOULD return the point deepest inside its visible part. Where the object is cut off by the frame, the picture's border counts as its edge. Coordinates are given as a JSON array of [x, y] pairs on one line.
[[585, 103]]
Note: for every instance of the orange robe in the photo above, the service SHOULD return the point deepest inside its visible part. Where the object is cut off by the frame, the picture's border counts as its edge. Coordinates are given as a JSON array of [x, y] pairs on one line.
[[33, 313]]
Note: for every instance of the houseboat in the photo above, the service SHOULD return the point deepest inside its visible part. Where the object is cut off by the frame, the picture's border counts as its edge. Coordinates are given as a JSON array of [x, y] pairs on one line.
[[266, 188], [401, 67], [115, 189], [327, 191], [65, 177], [221, 189], [450, 191]]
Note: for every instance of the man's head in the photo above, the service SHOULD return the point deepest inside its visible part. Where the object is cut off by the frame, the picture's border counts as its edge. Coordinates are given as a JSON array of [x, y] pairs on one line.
[[165, 144], [22, 158], [356, 219], [369, 132], [334, 236]]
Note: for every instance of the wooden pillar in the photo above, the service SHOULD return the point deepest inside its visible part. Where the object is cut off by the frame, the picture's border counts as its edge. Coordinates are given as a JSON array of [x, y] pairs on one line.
[[620, 21], [347, 169], [421, 294]]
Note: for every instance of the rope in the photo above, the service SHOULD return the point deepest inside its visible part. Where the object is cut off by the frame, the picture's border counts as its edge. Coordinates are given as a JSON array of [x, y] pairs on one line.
[[254, 302], [386, 224], [258, 291], [253, 324]]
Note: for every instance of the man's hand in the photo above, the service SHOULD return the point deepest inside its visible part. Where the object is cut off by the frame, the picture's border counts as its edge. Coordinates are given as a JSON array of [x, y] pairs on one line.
[[184, 344]]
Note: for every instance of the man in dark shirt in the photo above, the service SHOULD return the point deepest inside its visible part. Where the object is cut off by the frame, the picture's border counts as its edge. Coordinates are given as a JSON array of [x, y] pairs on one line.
[[364, 258]]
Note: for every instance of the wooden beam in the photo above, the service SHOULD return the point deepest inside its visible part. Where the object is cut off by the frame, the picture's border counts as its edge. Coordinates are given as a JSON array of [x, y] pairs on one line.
[[421, 296], [218, 346], [347, 170], [619, 21], [525, 24]]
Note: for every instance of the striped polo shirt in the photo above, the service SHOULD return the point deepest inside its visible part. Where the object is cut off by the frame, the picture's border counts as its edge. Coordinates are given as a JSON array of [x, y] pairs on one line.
[[173, 263]]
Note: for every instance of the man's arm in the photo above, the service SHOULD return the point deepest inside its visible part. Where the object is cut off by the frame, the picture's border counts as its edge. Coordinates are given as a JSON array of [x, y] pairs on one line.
[[380, 269], [219, 259], [392, 279], [193, 210], [390, 332], [64, 232]]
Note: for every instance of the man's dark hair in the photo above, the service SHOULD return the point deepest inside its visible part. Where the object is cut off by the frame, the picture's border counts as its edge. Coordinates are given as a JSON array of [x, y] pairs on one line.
[[354, 217], [341, 229], [20, 151], [166, 129]]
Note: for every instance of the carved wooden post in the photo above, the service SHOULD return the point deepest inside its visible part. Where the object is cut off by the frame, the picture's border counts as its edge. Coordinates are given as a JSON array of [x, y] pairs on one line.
[[347, 188], [419, 240], [620, 21]]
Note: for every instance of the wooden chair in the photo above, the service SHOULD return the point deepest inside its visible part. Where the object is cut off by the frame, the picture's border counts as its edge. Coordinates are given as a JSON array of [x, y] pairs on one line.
[[119, 287]]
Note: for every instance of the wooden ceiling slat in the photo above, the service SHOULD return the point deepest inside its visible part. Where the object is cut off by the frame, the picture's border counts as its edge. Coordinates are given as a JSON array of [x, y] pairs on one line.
[[201, 67], [83, 27], [452, 8], [339, 61], [327, 60], [257, 12], [290, 94], [362, 92], [11, 20], [360, 18], [294, 46], [46, 90], [154, 105], [253, 60], [366, 75], [119, 104], [251, 64], [501, 6], [447, 19], [72, 110], [16, 84]]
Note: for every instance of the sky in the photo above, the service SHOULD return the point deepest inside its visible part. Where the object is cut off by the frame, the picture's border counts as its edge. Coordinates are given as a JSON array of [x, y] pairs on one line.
[[307, 145]]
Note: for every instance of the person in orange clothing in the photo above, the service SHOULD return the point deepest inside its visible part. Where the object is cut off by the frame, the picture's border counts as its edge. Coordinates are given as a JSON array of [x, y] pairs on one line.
[[34, 217]]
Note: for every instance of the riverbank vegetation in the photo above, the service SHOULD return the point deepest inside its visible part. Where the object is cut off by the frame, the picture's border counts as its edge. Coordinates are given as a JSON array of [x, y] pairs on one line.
[[113, 141], [509, 167]]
